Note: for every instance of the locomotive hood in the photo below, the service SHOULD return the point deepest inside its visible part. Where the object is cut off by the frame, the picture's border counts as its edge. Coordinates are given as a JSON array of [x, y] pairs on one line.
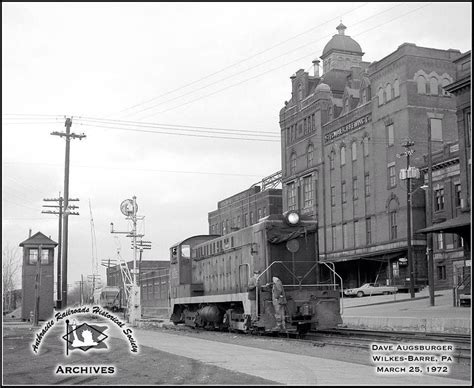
[[277, 234]]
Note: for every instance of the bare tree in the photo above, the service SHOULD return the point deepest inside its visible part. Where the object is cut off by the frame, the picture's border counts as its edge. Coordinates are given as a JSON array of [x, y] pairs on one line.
[[11, 265]]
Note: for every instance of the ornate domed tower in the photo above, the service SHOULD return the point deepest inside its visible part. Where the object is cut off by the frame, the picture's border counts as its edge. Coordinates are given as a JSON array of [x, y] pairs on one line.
[[341, 52]]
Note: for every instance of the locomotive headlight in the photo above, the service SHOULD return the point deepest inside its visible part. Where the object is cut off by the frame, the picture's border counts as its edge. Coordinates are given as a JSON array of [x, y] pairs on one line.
[[292, 217]]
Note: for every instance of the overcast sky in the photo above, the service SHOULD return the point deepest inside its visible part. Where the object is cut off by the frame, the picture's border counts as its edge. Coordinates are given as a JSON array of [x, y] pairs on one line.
[[218, 70]]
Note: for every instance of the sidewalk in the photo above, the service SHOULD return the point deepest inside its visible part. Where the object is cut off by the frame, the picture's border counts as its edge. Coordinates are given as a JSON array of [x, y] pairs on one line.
[[400, 312]]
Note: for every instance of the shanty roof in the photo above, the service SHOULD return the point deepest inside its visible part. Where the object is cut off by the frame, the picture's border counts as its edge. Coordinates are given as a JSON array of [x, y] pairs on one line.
[[38, 239]]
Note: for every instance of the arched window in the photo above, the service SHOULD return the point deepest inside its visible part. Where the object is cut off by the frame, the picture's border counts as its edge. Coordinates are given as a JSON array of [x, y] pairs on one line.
[[421, 84], [380, 96], [343, 155], [364, 96], [330, 113], [354, 151], [310, 155], [388, 92], [300, 92], [293, 163], [396, 88], [433, 86], [366, 146], [346, 105], [444, 83]]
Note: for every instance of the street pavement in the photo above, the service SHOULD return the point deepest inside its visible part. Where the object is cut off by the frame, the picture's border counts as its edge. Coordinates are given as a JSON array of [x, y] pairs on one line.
[[400, 312]]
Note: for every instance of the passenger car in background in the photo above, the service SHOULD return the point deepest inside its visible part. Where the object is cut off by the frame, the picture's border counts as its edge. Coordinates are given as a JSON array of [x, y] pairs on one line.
[[370, 289]]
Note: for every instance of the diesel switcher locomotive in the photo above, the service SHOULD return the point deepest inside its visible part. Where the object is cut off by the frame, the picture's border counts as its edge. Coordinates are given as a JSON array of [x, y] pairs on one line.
[[211, 278]]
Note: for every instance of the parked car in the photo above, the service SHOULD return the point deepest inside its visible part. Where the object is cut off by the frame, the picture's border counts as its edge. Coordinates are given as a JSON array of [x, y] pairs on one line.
[[371, 289]]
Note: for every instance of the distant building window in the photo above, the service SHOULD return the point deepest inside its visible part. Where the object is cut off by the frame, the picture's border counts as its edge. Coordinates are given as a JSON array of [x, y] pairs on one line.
[[354, 151], [396, 88], [310, 155], [300, 92], [367, 184], [252, 221], [259, 213], [439, 199], [331, 160], [293, 163], [380, 96], [333, 196], [343, 192], [421, 84], [390, 135], [388, 92], [368, 230], [33, 256], [346, 105], [291, 196], [345, 236], [393, 225], [334, 236], [364, 96], [392, 180], [356, 233], [469, 128], [307, 192], [441, 269], [457, 195], [246, 220], [445, 82], [436, 130], [433, 86], [366, 146], [343, 155], [355, 189], [440, 240]]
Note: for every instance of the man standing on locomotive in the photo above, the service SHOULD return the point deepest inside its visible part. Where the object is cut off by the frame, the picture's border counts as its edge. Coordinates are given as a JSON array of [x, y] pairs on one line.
[[279, 303]]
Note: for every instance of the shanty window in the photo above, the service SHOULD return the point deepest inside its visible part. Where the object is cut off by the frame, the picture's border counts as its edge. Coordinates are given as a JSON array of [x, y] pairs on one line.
[[33, 256]]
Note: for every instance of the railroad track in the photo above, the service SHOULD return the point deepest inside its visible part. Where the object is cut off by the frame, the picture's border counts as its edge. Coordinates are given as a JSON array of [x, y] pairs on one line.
[[359, 338]]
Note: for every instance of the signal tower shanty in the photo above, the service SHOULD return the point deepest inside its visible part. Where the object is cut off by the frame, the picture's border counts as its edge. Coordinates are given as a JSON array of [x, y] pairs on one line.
[[129, 208]]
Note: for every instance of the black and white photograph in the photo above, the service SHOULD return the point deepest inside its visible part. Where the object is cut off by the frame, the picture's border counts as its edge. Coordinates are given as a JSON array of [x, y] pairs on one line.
[[236, 193]]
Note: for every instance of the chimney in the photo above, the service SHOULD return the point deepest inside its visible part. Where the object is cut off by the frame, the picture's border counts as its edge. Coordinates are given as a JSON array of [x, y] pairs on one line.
[[316, 67], [30, 233]]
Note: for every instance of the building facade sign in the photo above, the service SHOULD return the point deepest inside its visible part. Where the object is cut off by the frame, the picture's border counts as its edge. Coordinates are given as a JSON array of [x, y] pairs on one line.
[[348, 127]]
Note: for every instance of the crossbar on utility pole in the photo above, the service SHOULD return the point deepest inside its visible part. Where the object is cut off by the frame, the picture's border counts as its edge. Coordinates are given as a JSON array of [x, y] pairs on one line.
[[59, 212], [68, 135]]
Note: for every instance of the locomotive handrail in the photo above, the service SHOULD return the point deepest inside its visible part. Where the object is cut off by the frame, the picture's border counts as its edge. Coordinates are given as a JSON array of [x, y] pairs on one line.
[[259, 276], [342, 289]]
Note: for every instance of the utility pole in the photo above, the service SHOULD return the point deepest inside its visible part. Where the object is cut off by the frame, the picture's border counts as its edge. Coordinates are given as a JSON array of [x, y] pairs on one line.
[[68, 135], [429, 205], [408, 175], [37, 287], [60, 228]]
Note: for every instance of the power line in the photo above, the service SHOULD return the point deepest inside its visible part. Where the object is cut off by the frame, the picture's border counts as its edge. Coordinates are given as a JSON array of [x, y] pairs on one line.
[[178, 134], [275, 68], [170, 126], [239, 62], [255, 66], [132, 169]]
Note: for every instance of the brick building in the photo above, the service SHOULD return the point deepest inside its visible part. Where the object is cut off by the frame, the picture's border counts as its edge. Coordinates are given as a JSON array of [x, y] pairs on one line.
[[146, 269], [342, 135], [451, 178], [244, 209]]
